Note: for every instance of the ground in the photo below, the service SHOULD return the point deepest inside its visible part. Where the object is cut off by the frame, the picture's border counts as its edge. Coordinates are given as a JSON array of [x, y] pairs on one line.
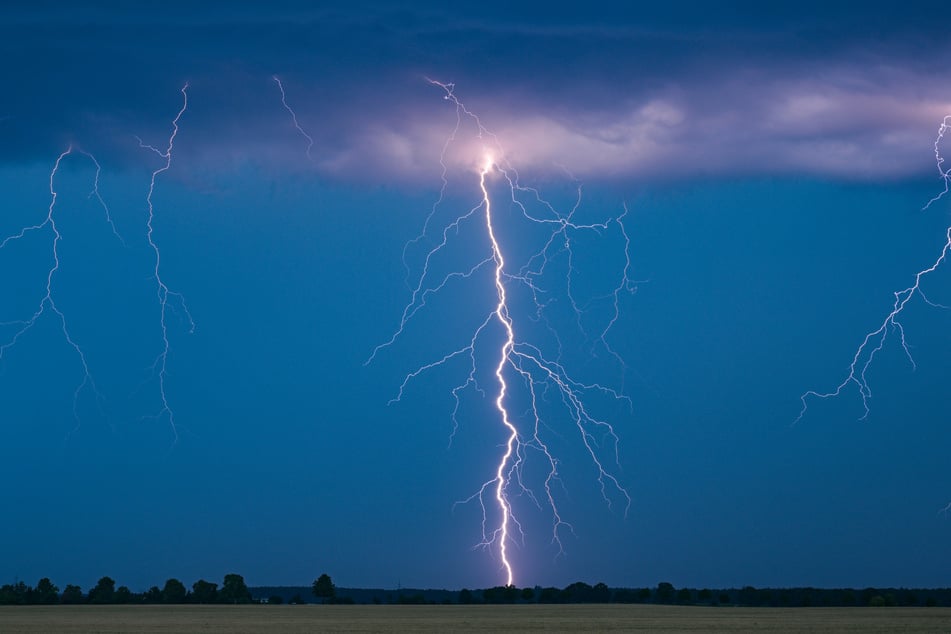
[[455, 618]]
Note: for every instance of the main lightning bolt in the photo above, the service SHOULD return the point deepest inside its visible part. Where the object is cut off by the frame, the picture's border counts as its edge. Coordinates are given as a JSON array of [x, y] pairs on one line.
[[519, 362], [875, 340], [164, 294], [48, 300], [502, 314]]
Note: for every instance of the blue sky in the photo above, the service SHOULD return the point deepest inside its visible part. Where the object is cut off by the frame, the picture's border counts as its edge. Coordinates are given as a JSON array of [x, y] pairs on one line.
[[774, 165]]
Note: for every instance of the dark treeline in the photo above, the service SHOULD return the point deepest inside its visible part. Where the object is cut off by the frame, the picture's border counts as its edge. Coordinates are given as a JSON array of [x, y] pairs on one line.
[[663, 593], [234, 590], [666, 593]]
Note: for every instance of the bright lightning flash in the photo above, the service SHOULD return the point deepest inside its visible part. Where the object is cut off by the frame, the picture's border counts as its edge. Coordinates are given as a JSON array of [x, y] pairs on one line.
[[875, 340], [520, 364]]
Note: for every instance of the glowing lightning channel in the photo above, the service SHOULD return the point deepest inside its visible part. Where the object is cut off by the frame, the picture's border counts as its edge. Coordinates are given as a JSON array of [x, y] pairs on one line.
[[310, 139], [517, 359], [48, 300], [162, 290], [501, 312], [875, 340]]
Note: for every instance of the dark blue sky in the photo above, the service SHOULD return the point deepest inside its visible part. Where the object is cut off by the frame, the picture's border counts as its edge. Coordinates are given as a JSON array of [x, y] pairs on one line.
[[774, 163]]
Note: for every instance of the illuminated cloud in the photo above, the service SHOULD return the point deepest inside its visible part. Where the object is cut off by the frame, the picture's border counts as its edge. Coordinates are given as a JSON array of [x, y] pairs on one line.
[[821, 128], [657, 93]]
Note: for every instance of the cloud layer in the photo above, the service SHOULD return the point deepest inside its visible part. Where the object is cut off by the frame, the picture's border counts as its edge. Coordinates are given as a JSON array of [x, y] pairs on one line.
[[610, 96]]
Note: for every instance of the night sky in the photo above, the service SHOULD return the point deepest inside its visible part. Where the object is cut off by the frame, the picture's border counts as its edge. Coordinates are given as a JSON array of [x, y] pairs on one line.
[[774, 163]]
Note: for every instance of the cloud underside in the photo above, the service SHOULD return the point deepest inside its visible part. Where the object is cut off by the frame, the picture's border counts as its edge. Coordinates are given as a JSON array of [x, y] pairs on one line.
[[854, 126], [622, 101]]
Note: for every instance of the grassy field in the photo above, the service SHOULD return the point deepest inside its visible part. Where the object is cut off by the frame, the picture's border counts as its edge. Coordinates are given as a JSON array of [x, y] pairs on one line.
[[455, 618]]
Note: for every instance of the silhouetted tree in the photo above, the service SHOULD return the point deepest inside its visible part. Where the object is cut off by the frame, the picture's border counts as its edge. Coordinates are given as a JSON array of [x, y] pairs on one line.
[[153, 595], [72, 594], [275, 599], [323, 588], [123, 595], [665, 592], [16, 594], [297, 599], [174, 592], [46, 593], [204, 592], [551, 595], [465, 596], [104, 592], [528, 594], [578, 592], [601, 593], [234, 590], [500, 594]]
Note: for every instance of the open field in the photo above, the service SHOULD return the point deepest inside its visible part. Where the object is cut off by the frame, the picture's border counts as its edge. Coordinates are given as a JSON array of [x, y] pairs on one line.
[[455, 618]]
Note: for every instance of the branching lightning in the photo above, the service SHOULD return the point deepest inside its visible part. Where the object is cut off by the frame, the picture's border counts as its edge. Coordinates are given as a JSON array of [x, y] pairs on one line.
[[875, 340], [167, 299], [160, 366], [297, 125], [522, 371], [48, 300]]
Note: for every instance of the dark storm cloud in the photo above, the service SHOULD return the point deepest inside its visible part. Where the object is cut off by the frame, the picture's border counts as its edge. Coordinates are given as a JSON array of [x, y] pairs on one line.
[[675, 91]]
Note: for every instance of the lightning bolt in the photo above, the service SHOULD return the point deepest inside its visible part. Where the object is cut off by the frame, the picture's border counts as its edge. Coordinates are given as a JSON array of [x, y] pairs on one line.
[[502, 314], [167, 299], [876, 339], [297, 125], [520, 365], [48, 300]]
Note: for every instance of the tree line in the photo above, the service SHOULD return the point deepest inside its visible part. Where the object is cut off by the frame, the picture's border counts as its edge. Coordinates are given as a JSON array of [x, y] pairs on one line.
[[665, 593], [233, 590]]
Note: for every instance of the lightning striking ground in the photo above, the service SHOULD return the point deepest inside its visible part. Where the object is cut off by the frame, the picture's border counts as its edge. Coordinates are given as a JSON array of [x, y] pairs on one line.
[[48, 300], [523, 375], [876, 339], [160, 366]]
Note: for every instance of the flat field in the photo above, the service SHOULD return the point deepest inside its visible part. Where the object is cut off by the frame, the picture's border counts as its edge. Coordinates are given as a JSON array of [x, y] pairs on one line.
[[457, 618]]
